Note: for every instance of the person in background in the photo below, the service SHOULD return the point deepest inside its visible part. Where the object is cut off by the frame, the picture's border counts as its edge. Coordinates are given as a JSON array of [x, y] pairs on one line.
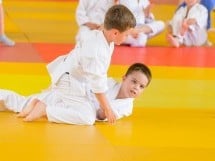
[[209, 4], [90, 15], [147, 26], [3, 38], [189, 25]]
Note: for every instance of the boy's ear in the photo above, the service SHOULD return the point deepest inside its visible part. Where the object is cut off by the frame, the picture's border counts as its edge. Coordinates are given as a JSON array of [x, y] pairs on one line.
[[123, 77], [115, 32]]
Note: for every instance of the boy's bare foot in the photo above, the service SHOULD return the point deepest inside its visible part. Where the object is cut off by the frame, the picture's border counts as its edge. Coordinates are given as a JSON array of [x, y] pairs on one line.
[[6, 41], [173, 40], [2, 106], [211, 30], [38, 111], [26, 110]]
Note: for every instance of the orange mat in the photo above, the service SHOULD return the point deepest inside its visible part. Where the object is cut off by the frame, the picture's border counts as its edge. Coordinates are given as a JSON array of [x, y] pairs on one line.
[[123, 55]]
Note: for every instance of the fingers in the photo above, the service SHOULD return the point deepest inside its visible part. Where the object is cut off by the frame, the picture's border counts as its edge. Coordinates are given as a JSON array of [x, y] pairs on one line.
[[111, 118]]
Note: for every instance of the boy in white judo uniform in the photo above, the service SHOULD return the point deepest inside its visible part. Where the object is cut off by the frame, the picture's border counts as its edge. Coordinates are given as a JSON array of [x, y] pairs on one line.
[[119, 94], [90, 15], [147, 26], [122, 94], [3, 38], [77, 75], [189, 25]]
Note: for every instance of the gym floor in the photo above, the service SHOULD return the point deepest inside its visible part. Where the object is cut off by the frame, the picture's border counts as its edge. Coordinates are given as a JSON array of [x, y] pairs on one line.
[[174, 119]]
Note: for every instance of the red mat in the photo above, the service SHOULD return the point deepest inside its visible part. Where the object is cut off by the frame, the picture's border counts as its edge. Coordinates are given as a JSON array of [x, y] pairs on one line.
[[123, 55]]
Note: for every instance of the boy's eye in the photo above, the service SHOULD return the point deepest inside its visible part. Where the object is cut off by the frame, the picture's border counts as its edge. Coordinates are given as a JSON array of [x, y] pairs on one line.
[[134, 81], [142, 86]]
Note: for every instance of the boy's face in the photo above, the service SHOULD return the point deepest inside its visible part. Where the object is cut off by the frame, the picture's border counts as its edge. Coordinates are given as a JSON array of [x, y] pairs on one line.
[[191, 2], [120, 37], [134, 84]]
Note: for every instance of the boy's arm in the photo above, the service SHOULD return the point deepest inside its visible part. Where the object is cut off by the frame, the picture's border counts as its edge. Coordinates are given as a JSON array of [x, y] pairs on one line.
[[104, 104], [121, 108], [188, 24], [169, 28], [147, 11], [81, 13], [190, 21], [92, 26]]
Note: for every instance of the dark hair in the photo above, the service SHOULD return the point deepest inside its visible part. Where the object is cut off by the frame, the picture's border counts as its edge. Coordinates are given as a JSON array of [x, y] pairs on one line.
[[142, 68], [119, 17]]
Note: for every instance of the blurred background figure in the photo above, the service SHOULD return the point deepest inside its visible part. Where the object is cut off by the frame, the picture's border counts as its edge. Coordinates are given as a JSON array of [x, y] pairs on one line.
[[209, 4], [90, 15], [189, 25], [147, 26], [3, 38]]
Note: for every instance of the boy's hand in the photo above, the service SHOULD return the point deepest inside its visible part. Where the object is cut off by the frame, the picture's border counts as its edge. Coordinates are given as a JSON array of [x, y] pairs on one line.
[[134, 32], [92, 26], [110, 116], [147, 10], [184, 27], [186, 23], [104, 104]]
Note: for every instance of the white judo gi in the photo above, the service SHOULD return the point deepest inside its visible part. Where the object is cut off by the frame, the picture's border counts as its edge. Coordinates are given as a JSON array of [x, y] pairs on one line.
[[137, 8], [121, 107], [74, 77], [91, 11], [197, 35]]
